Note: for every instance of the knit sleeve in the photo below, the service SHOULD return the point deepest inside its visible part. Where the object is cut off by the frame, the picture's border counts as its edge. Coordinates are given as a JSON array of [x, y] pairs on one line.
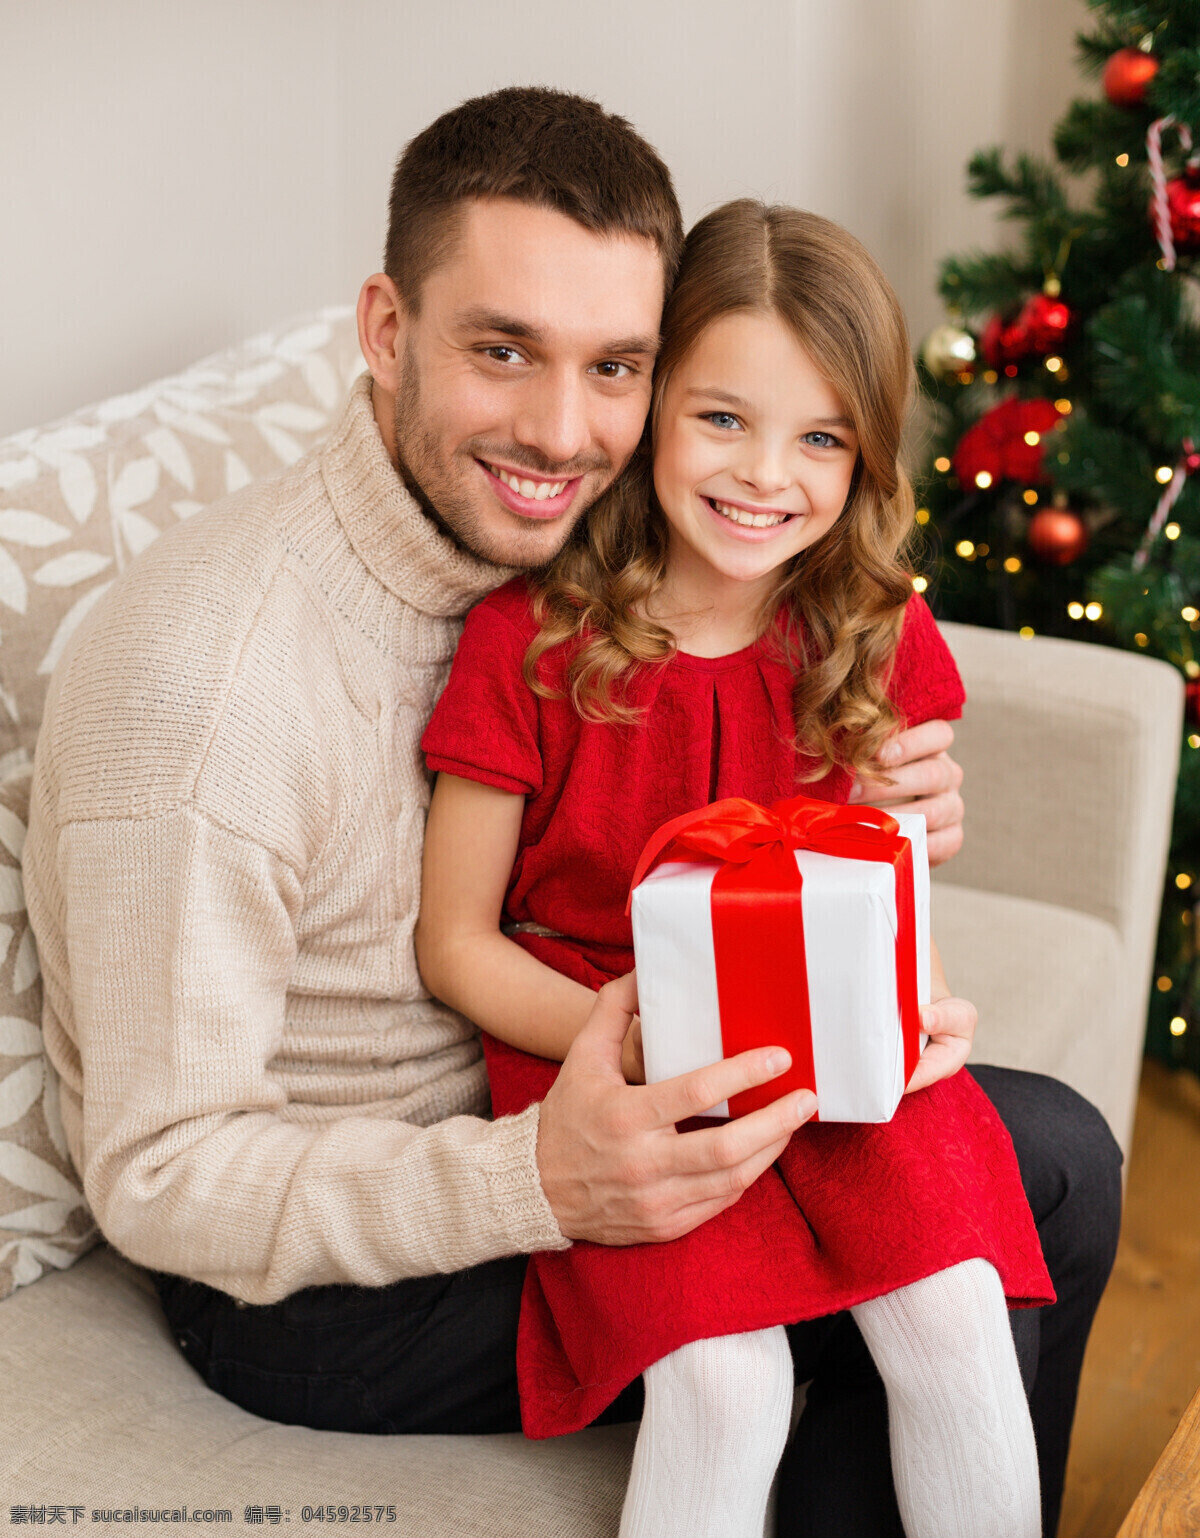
[[925, 683], [485, 726], [181, 941]]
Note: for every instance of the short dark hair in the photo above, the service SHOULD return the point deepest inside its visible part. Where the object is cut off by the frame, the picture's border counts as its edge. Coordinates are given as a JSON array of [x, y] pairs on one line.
[[538, 146]]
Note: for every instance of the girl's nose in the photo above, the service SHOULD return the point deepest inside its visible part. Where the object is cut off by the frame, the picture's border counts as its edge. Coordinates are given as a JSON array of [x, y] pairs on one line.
[[765, 475]]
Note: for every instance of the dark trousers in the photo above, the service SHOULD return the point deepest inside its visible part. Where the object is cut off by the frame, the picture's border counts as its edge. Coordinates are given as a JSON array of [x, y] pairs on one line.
[[437, 1354]]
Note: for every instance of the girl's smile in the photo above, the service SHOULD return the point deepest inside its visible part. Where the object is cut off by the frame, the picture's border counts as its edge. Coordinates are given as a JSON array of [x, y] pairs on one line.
[[754, 458]]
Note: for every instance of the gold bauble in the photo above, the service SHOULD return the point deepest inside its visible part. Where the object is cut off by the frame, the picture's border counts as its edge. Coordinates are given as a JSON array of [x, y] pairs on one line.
[[948, 352]]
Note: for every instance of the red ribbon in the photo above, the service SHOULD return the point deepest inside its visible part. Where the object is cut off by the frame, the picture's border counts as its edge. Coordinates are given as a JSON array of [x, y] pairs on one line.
[[757, 918]]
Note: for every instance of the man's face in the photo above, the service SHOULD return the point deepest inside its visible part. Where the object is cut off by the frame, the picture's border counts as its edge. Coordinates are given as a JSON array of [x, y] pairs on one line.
[[525, 378]]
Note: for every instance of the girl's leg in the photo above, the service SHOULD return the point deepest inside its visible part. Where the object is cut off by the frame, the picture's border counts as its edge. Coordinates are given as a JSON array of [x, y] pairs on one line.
[[963, 1454], [716, 1418]]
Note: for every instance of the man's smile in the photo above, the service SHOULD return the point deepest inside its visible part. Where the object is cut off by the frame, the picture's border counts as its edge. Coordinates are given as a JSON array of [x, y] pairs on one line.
[[527, 495]]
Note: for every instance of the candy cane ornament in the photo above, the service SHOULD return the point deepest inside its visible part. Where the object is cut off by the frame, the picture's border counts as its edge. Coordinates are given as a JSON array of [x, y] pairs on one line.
[[1158, 180], [1165, 503]]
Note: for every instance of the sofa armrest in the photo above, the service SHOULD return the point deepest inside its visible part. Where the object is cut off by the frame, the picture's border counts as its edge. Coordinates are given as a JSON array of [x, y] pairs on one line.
[[1070, 753]]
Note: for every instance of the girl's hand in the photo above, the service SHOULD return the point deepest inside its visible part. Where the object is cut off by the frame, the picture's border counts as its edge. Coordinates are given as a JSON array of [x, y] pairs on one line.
[[632, 1064], [950, 1024]]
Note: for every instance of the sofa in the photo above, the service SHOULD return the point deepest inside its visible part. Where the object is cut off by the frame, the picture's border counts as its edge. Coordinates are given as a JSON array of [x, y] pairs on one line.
[[1046, 920]]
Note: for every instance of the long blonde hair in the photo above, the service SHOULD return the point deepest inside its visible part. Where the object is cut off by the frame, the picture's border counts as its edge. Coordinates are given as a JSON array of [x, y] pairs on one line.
[[846, 592]]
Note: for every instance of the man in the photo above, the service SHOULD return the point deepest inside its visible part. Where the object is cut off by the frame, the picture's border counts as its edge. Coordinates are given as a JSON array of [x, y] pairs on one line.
[[223, 868]]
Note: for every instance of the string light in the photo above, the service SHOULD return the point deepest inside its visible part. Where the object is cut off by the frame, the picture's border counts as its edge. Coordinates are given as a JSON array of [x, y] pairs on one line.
[[1178, 1026], [983, 480], [1053, 364], [990, 376], [1142, 638], [1163, 985], [922, 515], [965, 548], [1013, 563], [1063, 406], [1075, 610], [942, 464], [920, 584], [1172, 531], [1192, 668], [1029, 497], [1189, 614], [1094, 610], [1163, 474], [1122, 160], [1026, 632], [1033, 439], [1193, 740], [982, 550], [1064, 459], [1183, 881]]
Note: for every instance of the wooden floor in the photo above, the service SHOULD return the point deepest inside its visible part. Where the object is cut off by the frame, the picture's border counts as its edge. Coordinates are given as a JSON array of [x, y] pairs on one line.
[[1143, 1361]]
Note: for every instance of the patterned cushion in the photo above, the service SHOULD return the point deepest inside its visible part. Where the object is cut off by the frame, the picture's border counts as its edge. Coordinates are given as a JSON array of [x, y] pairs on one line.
[[82, 498], [78, 501], [44, 1221]]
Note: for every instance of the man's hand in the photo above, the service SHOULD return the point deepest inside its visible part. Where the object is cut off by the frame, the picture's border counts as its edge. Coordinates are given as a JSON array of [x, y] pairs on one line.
[[613, 1167], [926, 780]]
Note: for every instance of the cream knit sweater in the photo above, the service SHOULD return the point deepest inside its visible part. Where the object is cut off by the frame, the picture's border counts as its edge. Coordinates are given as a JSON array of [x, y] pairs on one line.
[[223, 874]]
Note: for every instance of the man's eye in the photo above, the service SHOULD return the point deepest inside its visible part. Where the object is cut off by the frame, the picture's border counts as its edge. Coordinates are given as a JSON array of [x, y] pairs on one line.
[[827, 440], [610, 369], [502, 354], [722, 419]]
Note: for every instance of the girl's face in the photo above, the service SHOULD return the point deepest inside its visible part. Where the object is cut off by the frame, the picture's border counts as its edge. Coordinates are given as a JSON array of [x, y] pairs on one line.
[[753, 454]]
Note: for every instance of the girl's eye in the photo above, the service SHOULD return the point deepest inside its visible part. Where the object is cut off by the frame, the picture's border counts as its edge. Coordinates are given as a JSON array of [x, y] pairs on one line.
[[611, 369], [722, 419], [827, 440]]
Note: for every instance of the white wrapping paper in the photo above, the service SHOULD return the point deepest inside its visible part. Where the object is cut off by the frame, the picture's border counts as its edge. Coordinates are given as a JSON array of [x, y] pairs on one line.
[[850, 924]]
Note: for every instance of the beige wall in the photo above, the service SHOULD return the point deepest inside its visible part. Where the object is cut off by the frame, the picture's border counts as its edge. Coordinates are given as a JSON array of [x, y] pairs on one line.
[[175, 177]]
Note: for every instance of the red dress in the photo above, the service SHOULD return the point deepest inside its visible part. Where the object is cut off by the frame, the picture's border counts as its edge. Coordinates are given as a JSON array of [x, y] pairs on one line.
[[848, 1212]]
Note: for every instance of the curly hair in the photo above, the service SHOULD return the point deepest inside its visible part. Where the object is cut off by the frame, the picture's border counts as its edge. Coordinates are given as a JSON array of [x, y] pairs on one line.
[[847, 592]]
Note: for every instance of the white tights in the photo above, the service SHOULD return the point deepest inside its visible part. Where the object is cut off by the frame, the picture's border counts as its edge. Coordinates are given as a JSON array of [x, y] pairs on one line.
[[963, 1455]]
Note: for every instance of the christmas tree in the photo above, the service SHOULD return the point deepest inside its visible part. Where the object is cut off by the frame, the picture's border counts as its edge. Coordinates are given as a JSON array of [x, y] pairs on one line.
[[1062, 497]]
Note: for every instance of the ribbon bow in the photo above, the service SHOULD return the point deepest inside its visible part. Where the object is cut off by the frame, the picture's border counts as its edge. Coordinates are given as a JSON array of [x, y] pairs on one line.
[[757, 918]]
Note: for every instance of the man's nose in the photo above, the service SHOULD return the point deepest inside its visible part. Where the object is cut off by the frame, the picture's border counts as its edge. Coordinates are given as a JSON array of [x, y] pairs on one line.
[[553, 418]]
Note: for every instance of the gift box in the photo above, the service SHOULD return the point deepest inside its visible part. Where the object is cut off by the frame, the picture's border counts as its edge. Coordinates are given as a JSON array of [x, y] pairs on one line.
[[803, 925]]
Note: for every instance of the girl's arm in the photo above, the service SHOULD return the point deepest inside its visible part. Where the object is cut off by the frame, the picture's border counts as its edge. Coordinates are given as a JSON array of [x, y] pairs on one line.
[[470, 845]]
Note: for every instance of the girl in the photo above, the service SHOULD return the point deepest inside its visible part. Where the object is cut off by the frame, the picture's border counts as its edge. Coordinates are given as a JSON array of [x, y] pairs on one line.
[[732, 619]]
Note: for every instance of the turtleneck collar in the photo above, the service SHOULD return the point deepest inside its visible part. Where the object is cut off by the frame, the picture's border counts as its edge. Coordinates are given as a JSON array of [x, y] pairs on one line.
[[383, 521]]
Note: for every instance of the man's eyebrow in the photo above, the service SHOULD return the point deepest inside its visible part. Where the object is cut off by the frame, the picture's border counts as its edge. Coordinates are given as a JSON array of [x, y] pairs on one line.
[[635, 345], [479, 318]]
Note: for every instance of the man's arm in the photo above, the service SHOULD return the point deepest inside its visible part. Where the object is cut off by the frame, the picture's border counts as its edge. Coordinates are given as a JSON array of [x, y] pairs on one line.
[[926, 780], [181, 943]]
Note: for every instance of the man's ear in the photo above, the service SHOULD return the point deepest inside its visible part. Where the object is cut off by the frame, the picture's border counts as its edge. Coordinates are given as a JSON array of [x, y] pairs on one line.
[[382, 328]]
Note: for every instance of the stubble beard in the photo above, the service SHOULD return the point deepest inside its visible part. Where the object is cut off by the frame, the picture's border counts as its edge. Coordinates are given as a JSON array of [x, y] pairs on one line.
[[431, 481]]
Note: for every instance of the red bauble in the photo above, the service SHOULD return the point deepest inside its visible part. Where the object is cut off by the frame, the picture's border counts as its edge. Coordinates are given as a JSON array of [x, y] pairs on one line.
[[1127, 74], [1191, 692], [1003, 341], [1045, 322], [1183, 205], [1057, 535]]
